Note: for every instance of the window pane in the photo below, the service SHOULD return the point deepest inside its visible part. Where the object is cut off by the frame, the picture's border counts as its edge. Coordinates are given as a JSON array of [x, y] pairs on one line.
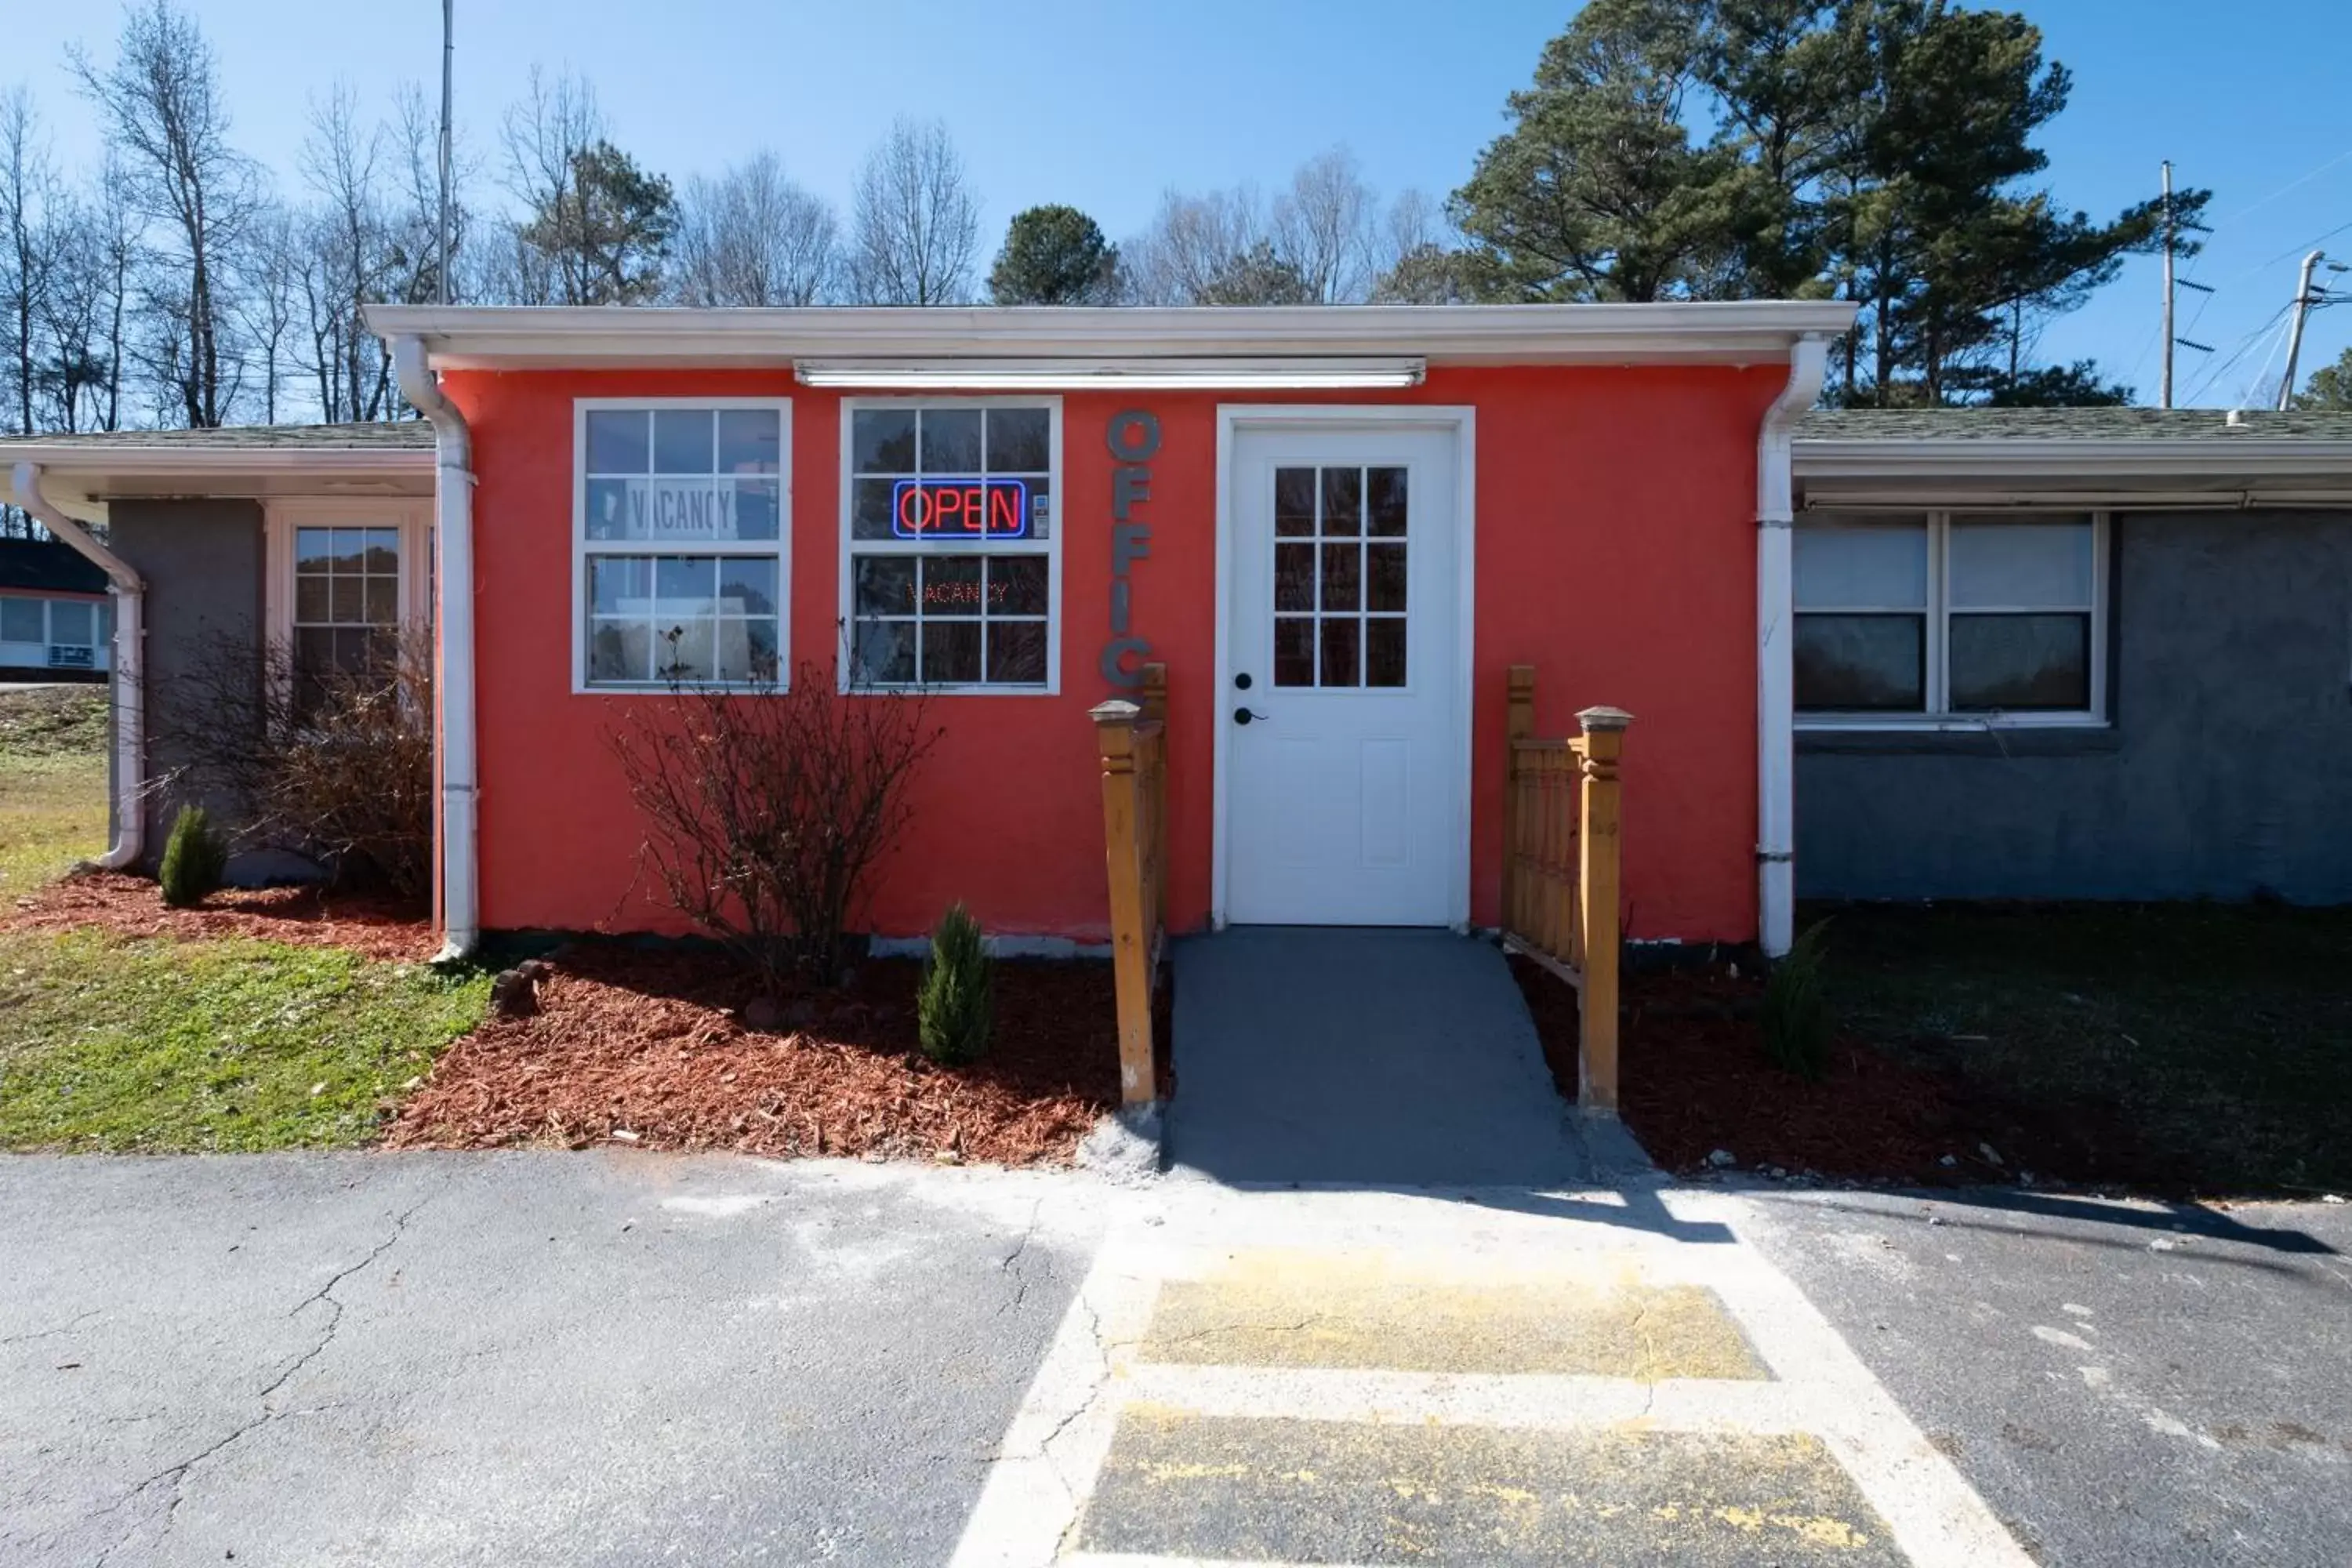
[[950, 653], [747, 649], [747, 585], [383, 601], [1294, 576], [1384, 651], [309, 598], [685, 652], [1339, 647], [70, 622], [1293, 502], [1016, 585], [21, 620], [951, 587], [1017, 652], [884, 585], [1387, 577], [755, 509], [682, 441], [1019, 440], [1868, 663], [749, 441], [2021, 663], [870, 516], [314, 545], [952, 446], [2019, 566], [1843, 566], [882, 441], [383, 549], [1343, 582], [685, 584], [616, 441], [347, 604], [609, 512], [1293, 650], [619, 585], [1343, 501], [1385, 507], [884, 652]]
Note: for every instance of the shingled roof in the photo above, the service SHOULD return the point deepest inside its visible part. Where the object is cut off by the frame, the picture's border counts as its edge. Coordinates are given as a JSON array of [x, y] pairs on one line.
[[399, 434], [2070, 424]]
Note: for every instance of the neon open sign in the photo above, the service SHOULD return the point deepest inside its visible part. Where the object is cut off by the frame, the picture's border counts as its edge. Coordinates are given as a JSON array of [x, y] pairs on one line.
[[960, 509]]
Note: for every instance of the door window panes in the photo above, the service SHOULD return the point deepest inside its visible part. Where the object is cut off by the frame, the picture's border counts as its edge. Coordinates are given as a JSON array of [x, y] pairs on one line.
[[1341, 544]]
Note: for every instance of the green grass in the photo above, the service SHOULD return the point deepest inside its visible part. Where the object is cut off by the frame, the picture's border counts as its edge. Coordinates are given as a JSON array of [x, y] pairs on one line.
[[2217, 1038], [158, 1046], [52, 784]]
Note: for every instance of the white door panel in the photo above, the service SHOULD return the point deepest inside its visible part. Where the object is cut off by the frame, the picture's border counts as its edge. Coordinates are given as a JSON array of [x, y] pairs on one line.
[[1345, 650]]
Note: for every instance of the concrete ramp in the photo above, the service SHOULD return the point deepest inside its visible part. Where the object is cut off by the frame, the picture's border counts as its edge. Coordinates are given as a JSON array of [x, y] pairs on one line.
[[1361, 1057]]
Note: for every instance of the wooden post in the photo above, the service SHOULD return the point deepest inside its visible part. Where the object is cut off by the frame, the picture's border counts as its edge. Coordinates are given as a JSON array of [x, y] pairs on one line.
[[1155, 711], [1115, 723], [1597, 895], [1519, 724]]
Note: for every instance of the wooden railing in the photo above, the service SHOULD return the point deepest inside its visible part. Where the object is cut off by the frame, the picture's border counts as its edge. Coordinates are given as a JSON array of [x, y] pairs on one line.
[[1560, 874], [1132, 738]]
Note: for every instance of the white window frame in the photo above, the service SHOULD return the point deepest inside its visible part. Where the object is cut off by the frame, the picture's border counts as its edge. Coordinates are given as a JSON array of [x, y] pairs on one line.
[[780, 548], [1050, 546], [1937, 715], [412, 515]]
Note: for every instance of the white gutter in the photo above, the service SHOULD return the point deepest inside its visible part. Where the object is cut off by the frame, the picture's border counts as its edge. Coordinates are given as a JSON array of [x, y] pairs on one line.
[[2237, 457], [1954, 499], [1776, 676], [126, 679], [452, 526]]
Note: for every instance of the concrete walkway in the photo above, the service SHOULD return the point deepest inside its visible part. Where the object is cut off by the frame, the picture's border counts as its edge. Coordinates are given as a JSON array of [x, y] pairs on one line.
[[1362, 1057]]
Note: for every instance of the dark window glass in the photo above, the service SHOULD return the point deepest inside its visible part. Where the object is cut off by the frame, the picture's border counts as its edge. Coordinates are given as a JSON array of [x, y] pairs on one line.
[[1293, 502], [749, 441], [882, 441], [1339, 650], [1020, 440], [1343, 581], [1386, 579], [1294, 576], [950, 652], [1343, 502], [1385, 507], [682, 439], [1862, 663], [1293, 650], [1017, 652], [1384, 652], [886, 652], [951, 586], [885, 584], [2021, 663], [952, 446], [1016, 584], [616, 441], [747, 586]]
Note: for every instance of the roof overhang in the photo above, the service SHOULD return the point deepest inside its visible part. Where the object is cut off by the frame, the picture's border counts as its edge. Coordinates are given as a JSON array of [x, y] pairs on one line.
[[81, 477], [2215, 471], [470, 337]]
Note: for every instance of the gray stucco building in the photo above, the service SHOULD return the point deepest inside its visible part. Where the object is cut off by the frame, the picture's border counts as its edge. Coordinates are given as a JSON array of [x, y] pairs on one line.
[[2074, 654]]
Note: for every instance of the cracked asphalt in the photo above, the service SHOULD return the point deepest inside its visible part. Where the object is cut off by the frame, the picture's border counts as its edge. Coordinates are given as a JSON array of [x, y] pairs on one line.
[[514, 1358]]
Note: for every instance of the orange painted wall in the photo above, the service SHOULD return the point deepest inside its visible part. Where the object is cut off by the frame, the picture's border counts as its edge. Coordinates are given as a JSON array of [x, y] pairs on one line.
[[1615, 552]]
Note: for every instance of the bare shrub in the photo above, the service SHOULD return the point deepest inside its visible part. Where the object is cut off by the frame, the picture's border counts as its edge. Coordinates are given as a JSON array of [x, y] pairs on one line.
[[335, 764], [766, 806]]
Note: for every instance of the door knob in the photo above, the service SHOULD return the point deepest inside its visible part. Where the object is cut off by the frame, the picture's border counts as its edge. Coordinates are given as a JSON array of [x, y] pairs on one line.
[[1244, 716]]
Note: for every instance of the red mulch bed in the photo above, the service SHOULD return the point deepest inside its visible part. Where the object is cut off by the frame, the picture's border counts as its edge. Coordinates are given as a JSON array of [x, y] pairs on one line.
[[133, 906], [1693, 1079], [650, 1042]]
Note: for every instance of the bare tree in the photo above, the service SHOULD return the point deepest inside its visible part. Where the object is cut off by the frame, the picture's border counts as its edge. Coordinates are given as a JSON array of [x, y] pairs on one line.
[[28, 197], [350, 261], [160, 105], [271, 264], [1191, 243], [752, 237], [914, 225], [1323, 226]]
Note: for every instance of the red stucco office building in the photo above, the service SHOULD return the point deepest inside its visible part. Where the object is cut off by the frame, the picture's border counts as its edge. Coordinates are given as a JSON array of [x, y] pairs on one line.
[[1337, 528]]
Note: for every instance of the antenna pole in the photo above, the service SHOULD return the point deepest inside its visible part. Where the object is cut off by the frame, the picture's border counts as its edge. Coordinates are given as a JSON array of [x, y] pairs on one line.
[[2164, 397], [441, 237]]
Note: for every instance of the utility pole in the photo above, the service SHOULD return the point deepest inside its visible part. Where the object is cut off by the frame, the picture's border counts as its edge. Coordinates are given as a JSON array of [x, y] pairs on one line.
[[441, 237], [2172, 287], [2306, 297]]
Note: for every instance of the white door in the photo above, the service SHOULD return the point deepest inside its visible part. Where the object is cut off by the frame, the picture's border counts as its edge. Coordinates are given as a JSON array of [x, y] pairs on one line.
[[1343, 659]]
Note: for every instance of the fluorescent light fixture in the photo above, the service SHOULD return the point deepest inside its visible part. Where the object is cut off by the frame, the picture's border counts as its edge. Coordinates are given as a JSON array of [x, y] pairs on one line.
[[1141, 375]]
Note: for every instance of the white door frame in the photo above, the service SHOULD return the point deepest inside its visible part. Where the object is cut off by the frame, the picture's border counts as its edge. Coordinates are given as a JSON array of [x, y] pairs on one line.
[[1458, 420]]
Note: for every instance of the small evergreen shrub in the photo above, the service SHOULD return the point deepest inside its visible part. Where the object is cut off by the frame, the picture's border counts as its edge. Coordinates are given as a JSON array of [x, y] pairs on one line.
[[194, 859], [1796, 1013], [953, 1009]]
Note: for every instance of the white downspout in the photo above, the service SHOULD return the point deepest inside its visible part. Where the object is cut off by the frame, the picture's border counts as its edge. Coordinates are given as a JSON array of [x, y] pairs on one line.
[[452, 530], [1776, 677], [127, 676]]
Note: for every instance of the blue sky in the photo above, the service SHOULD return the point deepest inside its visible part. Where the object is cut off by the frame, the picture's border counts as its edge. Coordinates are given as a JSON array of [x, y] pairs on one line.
[[1104, 105]]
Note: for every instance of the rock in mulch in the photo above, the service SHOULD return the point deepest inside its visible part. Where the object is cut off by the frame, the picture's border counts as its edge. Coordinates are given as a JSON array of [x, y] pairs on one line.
[[663, 1045]]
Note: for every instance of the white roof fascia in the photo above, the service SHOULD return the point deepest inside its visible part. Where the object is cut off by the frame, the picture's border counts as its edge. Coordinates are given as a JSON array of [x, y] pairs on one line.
[[2213, 456], [526, 337], [109, 461]]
